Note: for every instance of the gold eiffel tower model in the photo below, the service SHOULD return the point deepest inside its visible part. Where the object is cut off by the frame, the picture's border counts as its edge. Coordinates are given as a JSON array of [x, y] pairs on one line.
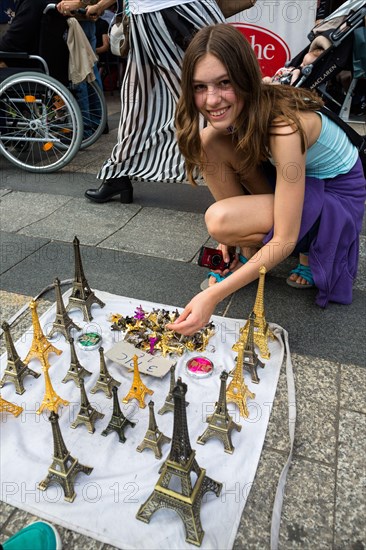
[[62, 323], [6, 406], [87, 414], [138, 389], [251, 361], [220, 423], [169, 401], [181, 462], [64, 467], [237, 391], [154, 439], [41, 347], [105, 381], [76, 371], [118, 421], [82, 297], [51, 400], [261, 329], [16, 370]]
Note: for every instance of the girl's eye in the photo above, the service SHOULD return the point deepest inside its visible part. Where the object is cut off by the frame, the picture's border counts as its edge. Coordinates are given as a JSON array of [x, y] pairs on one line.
[[225, 83], [199, 88]]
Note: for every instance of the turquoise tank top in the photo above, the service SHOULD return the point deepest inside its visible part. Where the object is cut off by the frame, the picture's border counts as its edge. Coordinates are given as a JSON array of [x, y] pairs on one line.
[[332, 154]]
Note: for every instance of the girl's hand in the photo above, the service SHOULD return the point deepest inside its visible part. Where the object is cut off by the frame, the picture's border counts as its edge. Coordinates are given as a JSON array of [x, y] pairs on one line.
[[229, 255], [195, 315]]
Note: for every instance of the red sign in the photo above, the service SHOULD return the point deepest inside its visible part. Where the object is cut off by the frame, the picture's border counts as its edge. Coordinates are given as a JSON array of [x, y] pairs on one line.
[[271, 50]]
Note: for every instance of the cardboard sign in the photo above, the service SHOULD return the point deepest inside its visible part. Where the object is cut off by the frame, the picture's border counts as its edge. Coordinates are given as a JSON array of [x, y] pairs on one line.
[[155, 365]]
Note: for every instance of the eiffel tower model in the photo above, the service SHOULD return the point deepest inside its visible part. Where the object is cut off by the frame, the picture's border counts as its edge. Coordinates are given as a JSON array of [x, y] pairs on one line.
[[251, 361], [6, 406], [87, 414], [261, 329], [220, 423], [179, 466], [82, 297], [62, 323], [237, 391], [118, 422], [76, 371], [169, 401], [41, 347], [16, 370], [51, 400], [154, 439], [105, 381], [64, 467], [138, 389]]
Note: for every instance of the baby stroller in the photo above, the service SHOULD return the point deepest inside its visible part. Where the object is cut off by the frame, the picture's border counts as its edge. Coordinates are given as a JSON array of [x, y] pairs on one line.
[[41, 124], [339, 35]]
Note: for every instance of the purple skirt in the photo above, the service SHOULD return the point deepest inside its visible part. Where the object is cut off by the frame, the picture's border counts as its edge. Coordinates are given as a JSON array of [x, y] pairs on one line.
[[339, 203]]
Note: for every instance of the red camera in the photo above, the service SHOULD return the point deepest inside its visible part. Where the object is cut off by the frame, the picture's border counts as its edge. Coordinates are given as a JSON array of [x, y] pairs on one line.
[[212, 258]]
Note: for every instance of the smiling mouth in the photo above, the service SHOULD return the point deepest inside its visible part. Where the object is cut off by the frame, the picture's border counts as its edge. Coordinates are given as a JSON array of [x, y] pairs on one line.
[[219, 112]]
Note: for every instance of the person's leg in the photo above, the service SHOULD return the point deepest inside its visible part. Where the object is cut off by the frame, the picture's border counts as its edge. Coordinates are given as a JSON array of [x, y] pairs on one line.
[[37, 536], [221, 168], [235, 222]]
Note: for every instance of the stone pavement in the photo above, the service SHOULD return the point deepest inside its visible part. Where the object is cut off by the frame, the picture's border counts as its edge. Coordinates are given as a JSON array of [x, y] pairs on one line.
[[148, 250]]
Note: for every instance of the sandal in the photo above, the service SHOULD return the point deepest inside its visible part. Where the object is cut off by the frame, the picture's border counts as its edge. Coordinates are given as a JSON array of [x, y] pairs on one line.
[[218, 277], [303, 271]]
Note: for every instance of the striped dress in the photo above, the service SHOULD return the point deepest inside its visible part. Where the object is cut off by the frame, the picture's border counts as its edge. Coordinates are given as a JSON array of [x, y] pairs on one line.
[[146, 148]]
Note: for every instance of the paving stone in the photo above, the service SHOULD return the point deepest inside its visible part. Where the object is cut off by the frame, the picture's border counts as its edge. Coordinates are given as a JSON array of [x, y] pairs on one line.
[[316, 423], [166, 234], [307, 514], [5, 511], [17, 521], [350, 511], [14, 248], [255, 523], [353, 388], [91, 225], [19, 210]]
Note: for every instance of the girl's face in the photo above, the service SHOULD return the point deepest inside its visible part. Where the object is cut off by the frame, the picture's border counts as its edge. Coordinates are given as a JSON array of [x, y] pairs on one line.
[[214, 94]]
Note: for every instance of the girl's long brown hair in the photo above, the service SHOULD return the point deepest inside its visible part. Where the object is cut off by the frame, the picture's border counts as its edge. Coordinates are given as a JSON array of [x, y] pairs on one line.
[[265, 105]]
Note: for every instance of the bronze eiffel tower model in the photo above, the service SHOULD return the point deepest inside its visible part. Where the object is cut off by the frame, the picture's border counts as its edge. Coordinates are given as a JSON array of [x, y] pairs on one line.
[[105, 381], [64, 467], [169, 401], [251, 361], [220, 423], [82, 296], [76, 371], [118, 422], [261, 329], [62, 323], [138, 389], [87, 415], [237, 391], [179, 465], [154, 439], [41, 347], [16, 370]]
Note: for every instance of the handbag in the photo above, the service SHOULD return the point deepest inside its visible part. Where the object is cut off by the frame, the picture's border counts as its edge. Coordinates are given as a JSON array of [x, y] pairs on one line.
[[232, 7], [119, 34]]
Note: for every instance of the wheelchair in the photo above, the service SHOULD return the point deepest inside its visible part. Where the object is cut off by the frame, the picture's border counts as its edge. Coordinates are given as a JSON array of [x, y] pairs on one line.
[[42, 126]]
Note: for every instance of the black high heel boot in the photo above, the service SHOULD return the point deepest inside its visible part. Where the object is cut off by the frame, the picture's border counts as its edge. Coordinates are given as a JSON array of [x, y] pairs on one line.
[[110, 188]]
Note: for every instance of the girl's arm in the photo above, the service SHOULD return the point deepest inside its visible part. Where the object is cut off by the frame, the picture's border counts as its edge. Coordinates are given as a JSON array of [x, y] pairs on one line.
[[287, 210]]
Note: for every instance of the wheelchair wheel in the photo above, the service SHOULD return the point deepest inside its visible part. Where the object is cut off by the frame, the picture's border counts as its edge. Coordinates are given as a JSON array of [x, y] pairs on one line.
[[93, 109], [41, 127]]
